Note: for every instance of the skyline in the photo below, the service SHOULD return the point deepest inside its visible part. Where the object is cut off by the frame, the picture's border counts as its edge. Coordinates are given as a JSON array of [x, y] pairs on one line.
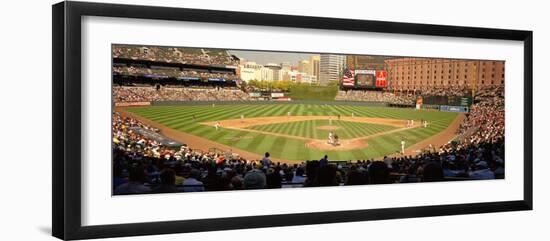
[[267, 57]]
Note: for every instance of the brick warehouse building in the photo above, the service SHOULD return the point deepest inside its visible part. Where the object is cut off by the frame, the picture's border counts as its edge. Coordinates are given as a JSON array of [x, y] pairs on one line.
[[425, 73]]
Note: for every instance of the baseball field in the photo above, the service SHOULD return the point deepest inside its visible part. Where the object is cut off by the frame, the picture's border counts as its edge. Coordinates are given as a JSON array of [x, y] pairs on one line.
[[297, 132]]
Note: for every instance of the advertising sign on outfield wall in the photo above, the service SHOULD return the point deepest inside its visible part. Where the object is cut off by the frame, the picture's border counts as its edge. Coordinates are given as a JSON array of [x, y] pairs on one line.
[[381, 78], [448, 108]]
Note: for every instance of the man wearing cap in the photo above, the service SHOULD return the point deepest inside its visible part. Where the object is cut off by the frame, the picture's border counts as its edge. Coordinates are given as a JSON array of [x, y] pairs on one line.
[[254, 179]]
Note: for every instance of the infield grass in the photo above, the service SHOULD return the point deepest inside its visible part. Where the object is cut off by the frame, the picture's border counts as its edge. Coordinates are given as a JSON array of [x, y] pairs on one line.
[[317, 129]]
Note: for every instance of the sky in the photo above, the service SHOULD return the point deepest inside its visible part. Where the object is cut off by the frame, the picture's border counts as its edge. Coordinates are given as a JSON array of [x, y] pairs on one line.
[[265, 57]]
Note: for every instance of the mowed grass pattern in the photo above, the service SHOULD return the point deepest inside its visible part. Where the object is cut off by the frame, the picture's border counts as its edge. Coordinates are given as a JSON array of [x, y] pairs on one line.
[[181, 118], [311, 128]]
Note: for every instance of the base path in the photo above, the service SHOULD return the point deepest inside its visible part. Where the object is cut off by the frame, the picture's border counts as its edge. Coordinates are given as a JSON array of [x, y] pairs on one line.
[[247, 122]]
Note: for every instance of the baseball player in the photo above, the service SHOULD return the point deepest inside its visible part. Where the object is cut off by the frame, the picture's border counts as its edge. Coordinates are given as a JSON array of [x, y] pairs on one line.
[[402, 146], [217, 125]]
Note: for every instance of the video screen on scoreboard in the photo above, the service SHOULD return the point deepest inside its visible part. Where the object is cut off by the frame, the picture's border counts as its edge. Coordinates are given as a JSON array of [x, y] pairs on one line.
[[365, 78]]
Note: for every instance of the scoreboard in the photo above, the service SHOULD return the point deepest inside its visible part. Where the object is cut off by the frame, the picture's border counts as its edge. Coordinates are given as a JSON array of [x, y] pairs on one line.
[[459, 100], [448, 100], [365, 78]]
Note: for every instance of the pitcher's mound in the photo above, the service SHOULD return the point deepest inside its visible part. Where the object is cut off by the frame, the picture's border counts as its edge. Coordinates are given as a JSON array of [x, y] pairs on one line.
[[344, 145], [328, 128]]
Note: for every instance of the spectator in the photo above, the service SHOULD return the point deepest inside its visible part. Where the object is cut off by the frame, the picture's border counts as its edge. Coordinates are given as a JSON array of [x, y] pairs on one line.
[[254, 179], [266, 162], [273, 178], [167, 182], [355, 177], [298, 179], [212, 181], [135, 183], [326, 176], [432, 172], [118, 176], [191, 183], [481, 171], [323, 161], [378, 173]]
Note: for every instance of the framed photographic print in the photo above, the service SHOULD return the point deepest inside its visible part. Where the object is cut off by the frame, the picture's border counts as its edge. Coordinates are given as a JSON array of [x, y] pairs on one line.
[[170, 120]]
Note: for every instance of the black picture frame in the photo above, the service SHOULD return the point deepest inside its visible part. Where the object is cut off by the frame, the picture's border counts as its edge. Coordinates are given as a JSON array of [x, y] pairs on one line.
[[66, 122]]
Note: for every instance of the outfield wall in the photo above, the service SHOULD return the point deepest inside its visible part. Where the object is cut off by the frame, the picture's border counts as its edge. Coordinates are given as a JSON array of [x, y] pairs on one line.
[[313, 93]]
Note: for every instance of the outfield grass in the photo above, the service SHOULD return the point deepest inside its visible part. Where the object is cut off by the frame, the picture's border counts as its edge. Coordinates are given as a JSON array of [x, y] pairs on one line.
[[310, 128], [181, 118]]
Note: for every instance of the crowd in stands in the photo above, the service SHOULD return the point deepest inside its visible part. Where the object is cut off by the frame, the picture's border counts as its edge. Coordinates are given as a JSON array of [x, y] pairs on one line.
[[179, 93], [447, 91], [144, 166], [171, 72], [376, 96], [485, 121], [195, 56]]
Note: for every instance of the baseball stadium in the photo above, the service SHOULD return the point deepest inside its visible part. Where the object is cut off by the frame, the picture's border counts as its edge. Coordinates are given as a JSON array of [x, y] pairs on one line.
[[199, 119]]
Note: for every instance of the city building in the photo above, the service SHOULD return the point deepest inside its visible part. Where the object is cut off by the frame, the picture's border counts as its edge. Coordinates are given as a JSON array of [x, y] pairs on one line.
[[424, 73], [330, 68], [274, 72], [266, 74], [250, 71], [308, 79], [304, 66], [293, 76], [315, 62]]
